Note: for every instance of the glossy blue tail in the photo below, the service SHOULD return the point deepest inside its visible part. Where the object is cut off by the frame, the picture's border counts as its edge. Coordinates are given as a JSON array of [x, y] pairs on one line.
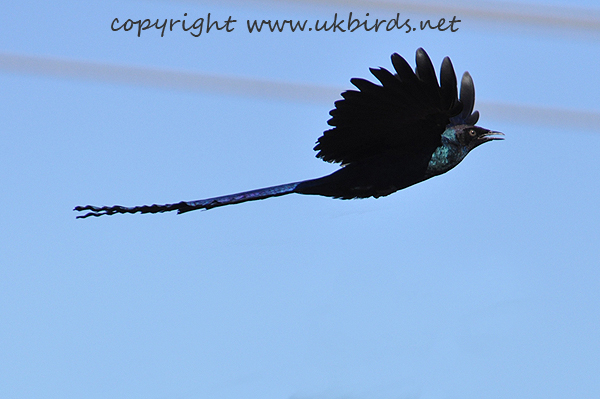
[[186, 206]]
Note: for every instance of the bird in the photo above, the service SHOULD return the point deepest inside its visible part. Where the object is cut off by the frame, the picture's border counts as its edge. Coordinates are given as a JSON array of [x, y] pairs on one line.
[[386, 136]]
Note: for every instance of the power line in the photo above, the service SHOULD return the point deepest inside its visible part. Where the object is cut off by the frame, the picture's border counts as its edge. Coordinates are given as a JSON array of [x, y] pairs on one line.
[[163, 78], [260, 88], [530, 15]]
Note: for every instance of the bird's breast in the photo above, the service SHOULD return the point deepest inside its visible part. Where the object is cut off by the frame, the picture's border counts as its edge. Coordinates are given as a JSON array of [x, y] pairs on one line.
[[444, 158]]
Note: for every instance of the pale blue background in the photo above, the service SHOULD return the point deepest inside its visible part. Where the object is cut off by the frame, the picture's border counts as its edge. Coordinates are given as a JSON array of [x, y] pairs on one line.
[[482, 283]]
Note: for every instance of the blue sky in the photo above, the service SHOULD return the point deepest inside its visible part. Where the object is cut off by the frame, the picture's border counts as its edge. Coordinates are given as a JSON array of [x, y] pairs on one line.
[[483, 282]]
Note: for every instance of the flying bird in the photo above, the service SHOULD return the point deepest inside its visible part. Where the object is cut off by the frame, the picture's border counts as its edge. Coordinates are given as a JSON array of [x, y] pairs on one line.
[[386, 136]]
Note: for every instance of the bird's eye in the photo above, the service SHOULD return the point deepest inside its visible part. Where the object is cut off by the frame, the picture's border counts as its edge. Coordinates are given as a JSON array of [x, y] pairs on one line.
[[472, 132]]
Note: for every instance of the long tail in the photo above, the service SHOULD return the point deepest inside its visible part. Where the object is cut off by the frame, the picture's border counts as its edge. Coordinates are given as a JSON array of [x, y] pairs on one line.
[[186, 206]]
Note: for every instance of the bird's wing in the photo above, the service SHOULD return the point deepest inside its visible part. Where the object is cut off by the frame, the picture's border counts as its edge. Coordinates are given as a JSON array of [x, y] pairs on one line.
[[409, 111]]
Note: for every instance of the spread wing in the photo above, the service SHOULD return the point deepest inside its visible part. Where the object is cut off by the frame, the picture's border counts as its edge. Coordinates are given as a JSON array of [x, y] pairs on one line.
[[408, 112]]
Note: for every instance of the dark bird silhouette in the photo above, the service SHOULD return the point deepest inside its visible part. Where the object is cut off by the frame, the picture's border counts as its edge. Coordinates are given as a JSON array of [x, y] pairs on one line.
[[386, 137]]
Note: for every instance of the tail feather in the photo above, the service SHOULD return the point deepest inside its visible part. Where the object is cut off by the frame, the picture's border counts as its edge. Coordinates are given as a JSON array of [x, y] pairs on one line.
[[186, 206]]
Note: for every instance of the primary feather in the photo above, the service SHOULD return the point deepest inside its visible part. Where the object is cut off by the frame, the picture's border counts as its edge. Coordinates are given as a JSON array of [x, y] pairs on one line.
[[409, 110]]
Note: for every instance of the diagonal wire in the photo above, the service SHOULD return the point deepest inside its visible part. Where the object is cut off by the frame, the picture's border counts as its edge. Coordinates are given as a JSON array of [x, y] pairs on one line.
[[539, 15], [261, 88], [162, 78]]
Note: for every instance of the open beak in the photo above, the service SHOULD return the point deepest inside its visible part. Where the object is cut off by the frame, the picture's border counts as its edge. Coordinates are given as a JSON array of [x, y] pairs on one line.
[[491, 135]]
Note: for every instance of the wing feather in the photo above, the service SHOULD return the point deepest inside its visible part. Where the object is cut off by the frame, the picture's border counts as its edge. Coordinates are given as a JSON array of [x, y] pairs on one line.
[[407, 112]]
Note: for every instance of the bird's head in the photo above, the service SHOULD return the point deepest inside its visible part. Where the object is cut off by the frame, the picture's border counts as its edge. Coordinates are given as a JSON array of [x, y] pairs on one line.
[[469, 136]]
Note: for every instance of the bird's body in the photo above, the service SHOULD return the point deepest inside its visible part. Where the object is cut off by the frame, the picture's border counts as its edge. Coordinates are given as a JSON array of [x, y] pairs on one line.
[[387, 137]]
